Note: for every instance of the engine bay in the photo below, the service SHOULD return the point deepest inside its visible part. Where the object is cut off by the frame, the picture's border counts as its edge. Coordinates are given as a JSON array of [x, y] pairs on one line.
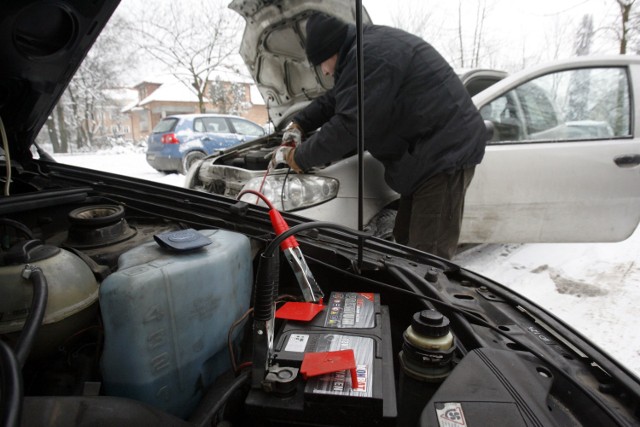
[[227, 173], [163, 310]]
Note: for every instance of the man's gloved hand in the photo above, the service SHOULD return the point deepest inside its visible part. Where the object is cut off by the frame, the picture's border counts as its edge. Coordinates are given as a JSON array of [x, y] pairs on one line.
[[292, 135], [285, 155]]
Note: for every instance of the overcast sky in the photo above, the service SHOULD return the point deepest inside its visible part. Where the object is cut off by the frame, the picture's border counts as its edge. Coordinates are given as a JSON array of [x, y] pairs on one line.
[[513, 28], [516, 33]]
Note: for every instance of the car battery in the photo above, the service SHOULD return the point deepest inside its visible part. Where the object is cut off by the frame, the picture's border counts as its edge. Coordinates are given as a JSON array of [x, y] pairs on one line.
[[350, 320]]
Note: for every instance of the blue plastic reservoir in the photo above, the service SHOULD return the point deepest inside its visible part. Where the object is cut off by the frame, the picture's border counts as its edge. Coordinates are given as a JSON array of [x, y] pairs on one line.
[[166, 319]]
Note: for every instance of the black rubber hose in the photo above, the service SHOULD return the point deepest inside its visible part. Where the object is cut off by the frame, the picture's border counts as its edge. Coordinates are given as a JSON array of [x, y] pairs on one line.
[[36, 314], [18, 226], [266, 287], [275, 243], [219, 396], [10, 387]]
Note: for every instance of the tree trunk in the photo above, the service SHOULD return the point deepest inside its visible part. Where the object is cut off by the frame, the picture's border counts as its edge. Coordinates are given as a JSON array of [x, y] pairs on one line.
[[460, 38], [201, 106], [53, 134], [625, 15], [64, 134]]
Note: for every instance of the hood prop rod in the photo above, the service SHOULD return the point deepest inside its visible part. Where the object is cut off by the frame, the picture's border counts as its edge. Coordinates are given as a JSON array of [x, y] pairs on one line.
[[360, 131]]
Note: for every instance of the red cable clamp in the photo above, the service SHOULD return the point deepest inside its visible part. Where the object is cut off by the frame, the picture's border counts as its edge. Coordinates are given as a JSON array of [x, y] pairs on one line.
[[315, 364], [299, 311]]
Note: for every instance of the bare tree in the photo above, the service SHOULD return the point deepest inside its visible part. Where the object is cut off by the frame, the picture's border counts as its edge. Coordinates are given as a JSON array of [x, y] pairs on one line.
[[458, 30], [52, 130], [417, 19], [635, 36], [634, 31], [460, 38], [192, 42], [584, 36], [78, 115], [86, 96], [478, 32], [557, 39], [228, 97], [623, 32], [63, 132], [471, 44]]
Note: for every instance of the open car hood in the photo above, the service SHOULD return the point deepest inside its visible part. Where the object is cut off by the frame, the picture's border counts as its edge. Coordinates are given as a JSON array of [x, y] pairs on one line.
[[273, 49], [49, 40]]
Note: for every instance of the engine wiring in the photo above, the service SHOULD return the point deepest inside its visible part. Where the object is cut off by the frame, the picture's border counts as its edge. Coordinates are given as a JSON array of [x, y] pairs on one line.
[[237, 368], [264, 178], [284, 183], [11, 386], [7, 156], [259, 195]]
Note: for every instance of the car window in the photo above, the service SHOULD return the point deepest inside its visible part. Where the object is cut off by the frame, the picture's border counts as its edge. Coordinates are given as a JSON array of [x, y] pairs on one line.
[[539, 112], [477, 85], [165, 125], [581, 104], [247, 128], [198, 125], [211, 124]]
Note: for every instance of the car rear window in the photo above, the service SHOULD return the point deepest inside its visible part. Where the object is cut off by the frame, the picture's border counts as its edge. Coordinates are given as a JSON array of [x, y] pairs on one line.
[[165, 125]]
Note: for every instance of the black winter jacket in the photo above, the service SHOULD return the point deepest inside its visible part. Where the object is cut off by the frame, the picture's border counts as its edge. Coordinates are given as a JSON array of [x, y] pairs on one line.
[[418, 118]]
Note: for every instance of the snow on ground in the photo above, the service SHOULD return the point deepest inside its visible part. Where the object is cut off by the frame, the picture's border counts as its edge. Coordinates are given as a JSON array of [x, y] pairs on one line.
[[592, 287], [133, 164]]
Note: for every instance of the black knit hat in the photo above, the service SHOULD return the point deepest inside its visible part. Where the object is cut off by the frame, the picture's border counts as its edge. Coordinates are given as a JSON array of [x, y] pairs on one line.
[[325, 35]]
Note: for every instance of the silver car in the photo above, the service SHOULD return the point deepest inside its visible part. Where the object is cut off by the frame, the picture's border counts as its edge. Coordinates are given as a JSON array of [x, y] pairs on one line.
[[562, 167]]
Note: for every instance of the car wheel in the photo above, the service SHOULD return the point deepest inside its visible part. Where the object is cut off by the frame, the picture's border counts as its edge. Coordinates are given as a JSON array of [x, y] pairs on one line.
[[189, 159], [382, 224]]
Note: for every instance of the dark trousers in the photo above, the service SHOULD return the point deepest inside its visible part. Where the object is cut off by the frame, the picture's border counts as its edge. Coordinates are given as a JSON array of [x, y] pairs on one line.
[[431, 218]]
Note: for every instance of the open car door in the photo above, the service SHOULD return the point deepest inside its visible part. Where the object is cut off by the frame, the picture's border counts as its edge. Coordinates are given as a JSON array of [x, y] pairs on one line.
[[564, 162]]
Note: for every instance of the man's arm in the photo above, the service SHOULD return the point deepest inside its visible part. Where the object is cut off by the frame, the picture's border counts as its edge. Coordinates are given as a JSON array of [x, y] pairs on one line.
[[317, 113], [337, 137]]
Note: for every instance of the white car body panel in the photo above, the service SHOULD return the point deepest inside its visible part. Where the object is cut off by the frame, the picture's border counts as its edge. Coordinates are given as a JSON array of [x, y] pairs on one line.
[[569, 191], [343, 209]]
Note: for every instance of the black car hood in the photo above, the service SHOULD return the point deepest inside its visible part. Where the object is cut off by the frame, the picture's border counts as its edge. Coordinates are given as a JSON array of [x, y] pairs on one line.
[[43, 44]]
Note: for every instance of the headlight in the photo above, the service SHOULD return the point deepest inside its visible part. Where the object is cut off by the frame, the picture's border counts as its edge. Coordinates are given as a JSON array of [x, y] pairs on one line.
[[293, 192]]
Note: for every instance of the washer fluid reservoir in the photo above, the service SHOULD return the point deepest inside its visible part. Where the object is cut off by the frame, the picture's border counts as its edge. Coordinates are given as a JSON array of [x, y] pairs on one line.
[[166, 318]]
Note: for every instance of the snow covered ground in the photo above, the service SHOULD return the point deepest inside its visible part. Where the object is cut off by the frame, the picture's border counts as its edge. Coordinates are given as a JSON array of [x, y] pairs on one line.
[[593, 287]]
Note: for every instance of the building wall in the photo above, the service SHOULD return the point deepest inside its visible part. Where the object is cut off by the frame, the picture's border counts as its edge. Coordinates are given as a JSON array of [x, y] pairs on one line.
[[257, 113], [144, 118]]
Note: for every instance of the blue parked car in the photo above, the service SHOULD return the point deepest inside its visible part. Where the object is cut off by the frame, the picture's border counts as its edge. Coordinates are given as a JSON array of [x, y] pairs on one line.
[[180, 140]]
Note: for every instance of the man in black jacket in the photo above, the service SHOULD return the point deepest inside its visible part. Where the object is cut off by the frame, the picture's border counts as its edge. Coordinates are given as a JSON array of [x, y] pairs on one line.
[[420, 123]]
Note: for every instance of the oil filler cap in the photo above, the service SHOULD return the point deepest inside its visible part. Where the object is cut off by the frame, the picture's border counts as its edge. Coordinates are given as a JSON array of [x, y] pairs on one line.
[[182, 240], [430, 323]]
